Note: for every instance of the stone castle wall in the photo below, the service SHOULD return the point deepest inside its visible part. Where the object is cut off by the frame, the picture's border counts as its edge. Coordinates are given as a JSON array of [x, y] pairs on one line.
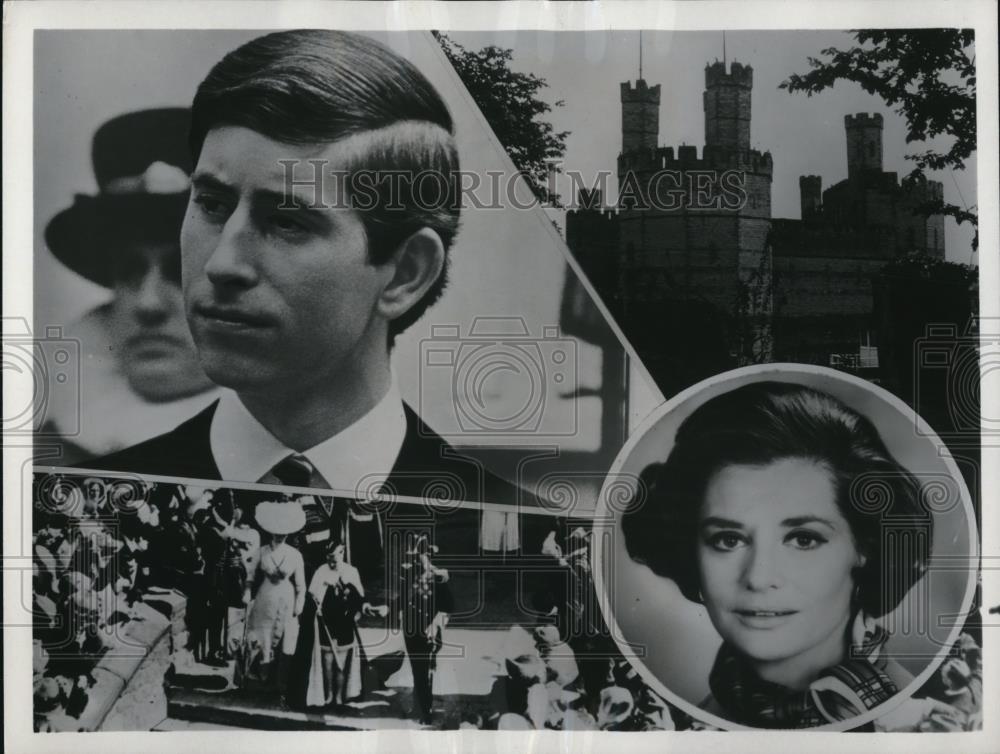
[[653, 259]]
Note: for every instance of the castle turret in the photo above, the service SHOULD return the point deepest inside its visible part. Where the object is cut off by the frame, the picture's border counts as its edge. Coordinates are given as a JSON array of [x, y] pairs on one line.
[[640, 116], [864, 143], [810, 194], [727, 106]]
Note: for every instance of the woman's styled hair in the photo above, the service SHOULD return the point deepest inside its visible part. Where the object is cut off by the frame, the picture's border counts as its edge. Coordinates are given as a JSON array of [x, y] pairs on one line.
[[333, 544], [316, 86], [756, 425]]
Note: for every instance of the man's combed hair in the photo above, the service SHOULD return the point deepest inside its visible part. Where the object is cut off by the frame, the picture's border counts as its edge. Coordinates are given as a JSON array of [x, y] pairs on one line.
[[756, 425], [317, 86]]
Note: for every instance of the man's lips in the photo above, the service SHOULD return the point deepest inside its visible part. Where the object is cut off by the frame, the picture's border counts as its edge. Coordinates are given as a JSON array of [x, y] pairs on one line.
[[232, 317]]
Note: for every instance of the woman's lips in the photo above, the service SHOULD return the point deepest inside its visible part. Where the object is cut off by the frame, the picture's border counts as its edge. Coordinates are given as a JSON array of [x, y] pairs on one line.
[[763, 619]]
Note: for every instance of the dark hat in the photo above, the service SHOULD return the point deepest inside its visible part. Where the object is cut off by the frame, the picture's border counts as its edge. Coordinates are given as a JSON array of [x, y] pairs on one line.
[[142, 163]]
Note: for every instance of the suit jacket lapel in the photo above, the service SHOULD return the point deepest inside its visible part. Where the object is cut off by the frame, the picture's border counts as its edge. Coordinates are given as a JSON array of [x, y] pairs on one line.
[[423, 456], [194, 448]]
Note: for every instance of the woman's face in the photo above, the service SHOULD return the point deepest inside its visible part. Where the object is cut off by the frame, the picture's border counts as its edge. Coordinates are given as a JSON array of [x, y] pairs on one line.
[[335, 556], [776, 558]]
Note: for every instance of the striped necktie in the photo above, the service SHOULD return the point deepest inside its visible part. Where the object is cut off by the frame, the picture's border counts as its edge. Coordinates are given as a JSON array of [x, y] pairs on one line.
[[297, 471]]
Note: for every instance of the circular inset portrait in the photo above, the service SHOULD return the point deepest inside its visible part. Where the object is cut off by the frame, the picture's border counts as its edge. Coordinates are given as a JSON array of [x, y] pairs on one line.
[[798, 550]]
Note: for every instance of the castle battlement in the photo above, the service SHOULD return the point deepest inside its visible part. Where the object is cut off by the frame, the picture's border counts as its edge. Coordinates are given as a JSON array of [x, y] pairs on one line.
[[604, 216], [641, 92], [686, 158], [863, 120], [738, 75], [923, 190]]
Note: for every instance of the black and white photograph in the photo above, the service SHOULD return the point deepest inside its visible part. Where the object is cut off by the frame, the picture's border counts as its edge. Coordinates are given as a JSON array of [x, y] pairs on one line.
[[789, 554], [492, 343], [175, 607], [462, 374]]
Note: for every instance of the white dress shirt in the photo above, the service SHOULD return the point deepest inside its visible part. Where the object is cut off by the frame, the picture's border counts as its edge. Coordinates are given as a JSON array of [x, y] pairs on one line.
[[358, 458]]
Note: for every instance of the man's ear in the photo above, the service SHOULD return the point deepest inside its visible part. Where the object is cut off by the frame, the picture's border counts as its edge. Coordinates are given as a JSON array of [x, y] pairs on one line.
[[417, 264]]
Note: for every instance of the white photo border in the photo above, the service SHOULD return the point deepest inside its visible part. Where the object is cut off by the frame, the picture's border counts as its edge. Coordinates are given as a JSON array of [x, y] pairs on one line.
[[21, 18]]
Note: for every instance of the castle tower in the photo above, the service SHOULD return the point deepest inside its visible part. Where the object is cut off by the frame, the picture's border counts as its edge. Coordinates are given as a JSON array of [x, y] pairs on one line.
[[810, 194], [640, 116], [727, 106], [864, 143]]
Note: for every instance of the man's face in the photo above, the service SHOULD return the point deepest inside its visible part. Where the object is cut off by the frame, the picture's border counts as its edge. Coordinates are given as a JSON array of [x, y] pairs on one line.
[[279, 300], [147, 320]]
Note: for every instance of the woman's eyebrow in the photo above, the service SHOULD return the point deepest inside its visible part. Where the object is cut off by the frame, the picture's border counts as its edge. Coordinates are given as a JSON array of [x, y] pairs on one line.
[[724, 523], [803, 520]]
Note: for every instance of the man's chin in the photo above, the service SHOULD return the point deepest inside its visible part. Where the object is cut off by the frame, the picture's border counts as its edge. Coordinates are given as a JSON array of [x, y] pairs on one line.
[[239, 374]]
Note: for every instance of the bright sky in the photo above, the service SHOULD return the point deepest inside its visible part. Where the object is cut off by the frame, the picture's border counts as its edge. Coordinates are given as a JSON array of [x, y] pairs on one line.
[[804, 135]]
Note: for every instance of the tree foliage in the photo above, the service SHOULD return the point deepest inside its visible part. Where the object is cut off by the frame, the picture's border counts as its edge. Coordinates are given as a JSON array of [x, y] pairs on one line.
[[917, 266], [509, 101], [929, 77]]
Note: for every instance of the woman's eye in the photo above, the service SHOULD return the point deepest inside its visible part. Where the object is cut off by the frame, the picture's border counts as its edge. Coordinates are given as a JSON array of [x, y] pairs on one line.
[[725, 541], [805, 540]]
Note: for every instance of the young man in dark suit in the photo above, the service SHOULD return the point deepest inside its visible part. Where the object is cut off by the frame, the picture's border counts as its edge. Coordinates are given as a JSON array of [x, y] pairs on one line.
[[294, 295], [295, 291]]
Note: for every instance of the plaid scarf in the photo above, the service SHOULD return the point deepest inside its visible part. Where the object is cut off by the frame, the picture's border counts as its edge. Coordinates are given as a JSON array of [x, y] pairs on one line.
[[841, 692]]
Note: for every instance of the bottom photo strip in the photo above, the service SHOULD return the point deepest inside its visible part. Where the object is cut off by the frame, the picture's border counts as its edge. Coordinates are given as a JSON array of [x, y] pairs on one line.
[[165, 606]]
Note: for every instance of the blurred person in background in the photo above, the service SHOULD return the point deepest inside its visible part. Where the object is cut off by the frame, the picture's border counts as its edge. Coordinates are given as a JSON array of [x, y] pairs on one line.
[[140, 373]]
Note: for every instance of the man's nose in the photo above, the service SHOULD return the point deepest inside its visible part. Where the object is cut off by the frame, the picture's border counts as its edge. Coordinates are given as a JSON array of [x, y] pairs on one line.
[[231, 261], [763, 569]]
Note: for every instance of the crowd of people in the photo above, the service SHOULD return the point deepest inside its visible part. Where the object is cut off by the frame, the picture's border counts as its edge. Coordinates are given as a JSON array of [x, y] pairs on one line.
[[301, 637], [90, 568], [237, 557], [100, 546]]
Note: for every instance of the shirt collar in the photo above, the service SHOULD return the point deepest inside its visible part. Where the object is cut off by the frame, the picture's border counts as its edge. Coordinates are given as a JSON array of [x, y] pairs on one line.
[[359, 457]]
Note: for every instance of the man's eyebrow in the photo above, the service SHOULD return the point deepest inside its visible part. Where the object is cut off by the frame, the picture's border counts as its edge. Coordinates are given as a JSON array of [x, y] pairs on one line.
[[722, 523], [203, 179], [285, 199], [804, 520], [279, 197]]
